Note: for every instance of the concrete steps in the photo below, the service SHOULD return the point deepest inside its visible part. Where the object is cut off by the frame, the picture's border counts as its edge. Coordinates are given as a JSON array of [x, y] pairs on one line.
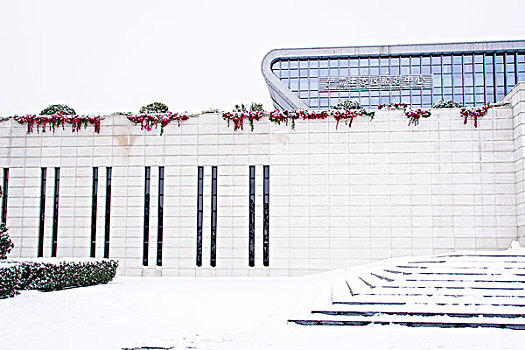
[[445, 322], [450, 290]]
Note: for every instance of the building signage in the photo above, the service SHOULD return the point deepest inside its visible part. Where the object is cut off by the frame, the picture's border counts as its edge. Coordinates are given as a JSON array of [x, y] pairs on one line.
[[379, 82]]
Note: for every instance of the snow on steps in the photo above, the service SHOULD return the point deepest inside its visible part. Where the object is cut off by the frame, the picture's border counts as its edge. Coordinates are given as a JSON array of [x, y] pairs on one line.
[[480, 289]]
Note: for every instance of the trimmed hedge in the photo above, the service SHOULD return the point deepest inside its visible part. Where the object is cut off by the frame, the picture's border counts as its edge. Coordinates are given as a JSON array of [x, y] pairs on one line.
[[10, 275], [48, 275], [60, 273]]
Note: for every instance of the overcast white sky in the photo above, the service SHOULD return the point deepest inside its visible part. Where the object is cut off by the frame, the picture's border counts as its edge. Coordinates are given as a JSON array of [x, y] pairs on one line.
[[102, 56]]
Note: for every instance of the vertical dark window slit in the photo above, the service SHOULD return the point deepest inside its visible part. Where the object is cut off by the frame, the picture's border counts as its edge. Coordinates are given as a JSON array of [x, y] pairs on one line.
[[200, 181], [504, 56], [55, 213], [266, 216], [108, 212], [94, 195], [41, 226], [485, 80], [213, 253], [516, 80], [5, 190], [160, 217], [463, 78], [494, 75], [251, 229], [147, 183]]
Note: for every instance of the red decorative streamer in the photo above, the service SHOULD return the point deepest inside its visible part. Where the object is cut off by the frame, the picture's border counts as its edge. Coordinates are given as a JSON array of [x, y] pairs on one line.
[[475, 113], [148, 121], [415, 114], [56, 120]]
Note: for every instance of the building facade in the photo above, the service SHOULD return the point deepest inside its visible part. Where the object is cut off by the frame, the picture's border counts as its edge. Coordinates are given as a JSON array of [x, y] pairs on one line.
[[205, 200], [418, 75]]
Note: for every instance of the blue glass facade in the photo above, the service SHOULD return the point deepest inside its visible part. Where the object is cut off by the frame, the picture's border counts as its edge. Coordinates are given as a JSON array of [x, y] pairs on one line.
[[469, 78]]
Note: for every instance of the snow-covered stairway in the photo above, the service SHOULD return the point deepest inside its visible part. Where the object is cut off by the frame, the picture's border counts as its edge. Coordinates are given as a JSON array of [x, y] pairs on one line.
[[469, 289]]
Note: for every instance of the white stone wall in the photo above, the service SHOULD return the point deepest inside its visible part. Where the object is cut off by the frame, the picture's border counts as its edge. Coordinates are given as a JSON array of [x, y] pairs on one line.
[[337, 197], [516, 99]]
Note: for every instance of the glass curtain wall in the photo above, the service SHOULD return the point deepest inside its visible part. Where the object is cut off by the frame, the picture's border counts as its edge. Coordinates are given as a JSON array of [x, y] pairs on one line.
[[472, 79]]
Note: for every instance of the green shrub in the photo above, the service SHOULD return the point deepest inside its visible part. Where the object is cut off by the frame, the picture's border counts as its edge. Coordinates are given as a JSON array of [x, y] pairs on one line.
[[348, 105], [447, 104], [10, 275], [255, 107], [58, 109], [240, 108], [56, 274], [155, 107]]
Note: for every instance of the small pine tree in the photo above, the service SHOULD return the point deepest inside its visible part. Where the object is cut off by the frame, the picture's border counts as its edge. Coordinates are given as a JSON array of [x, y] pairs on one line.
[[6, 244]]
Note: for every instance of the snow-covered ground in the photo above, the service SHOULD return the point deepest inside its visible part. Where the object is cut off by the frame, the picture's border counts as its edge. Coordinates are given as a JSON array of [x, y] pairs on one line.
[[185, 313]]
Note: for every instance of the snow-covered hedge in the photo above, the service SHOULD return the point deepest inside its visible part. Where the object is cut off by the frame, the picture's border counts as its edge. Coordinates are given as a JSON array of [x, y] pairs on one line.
[[60, 273], [10, 275]]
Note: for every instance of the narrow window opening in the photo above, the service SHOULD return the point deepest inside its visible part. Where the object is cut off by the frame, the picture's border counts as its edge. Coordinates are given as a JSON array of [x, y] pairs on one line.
[[213, 253], [55, 213], [200, 181], [160, 222], [41, 226], [5, 189], [108, 212], [94, 195], [266, 216], [251, 230], [147, 183]]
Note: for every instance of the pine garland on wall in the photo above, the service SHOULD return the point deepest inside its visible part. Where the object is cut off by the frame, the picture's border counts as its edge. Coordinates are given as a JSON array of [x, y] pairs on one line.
[[153, 115], [55, 116], [157, 114]]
